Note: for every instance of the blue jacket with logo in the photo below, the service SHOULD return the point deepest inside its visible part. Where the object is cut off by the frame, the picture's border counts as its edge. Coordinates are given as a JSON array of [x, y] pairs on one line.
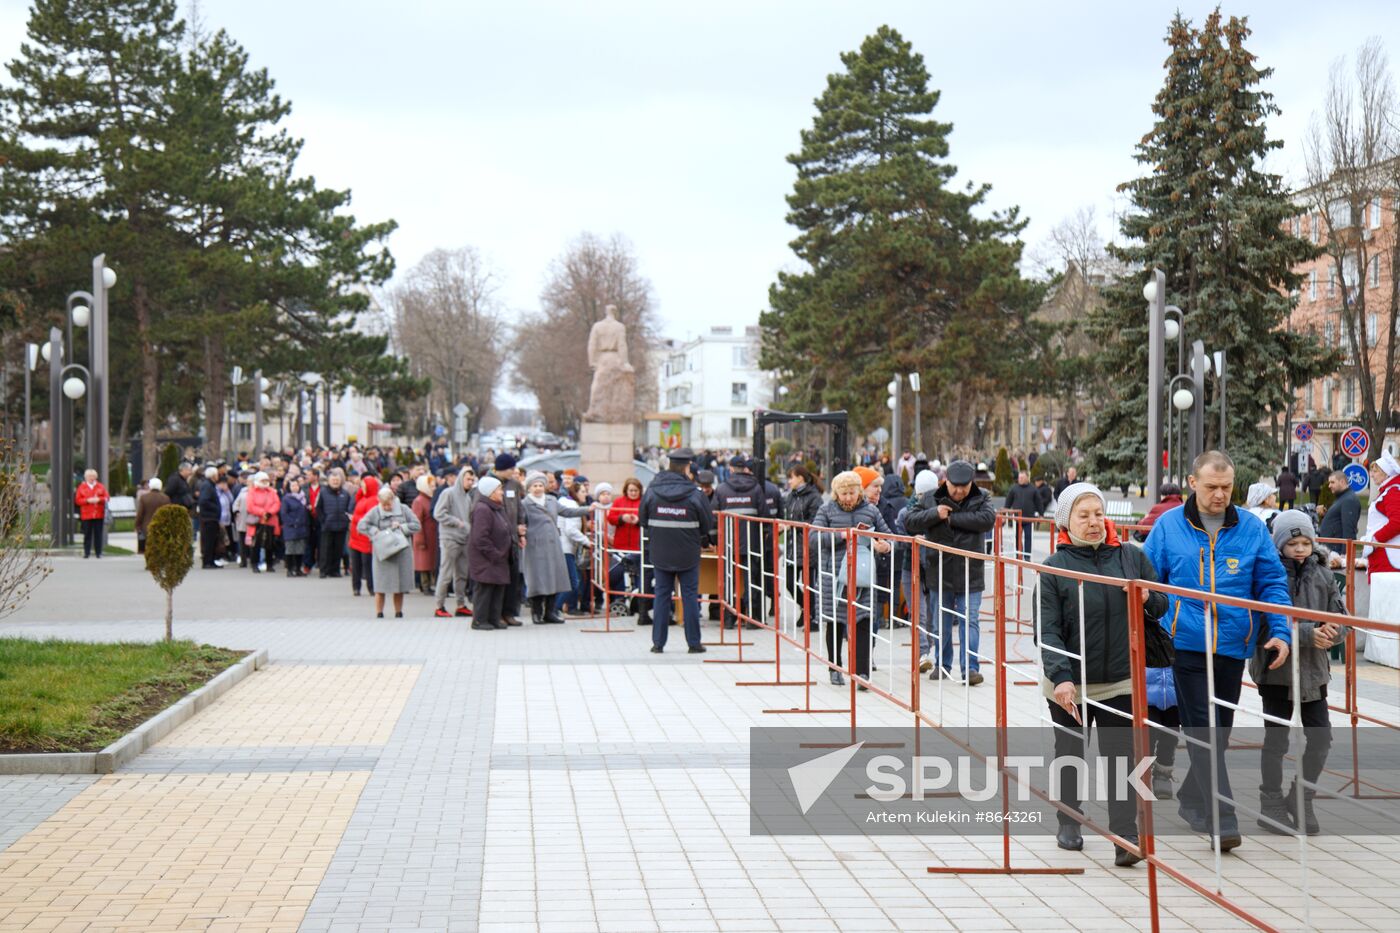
[[1241, 561]]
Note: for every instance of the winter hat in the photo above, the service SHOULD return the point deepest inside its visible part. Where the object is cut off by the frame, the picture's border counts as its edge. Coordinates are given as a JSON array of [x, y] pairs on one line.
[[425, 484], [867, 475], [844, 481], [960, 473], [533, 477], [154, 484], [488, 486], [602, 488], [1294, 523], [505, 462], [926, 481], [1072, 493], [1258, 492]]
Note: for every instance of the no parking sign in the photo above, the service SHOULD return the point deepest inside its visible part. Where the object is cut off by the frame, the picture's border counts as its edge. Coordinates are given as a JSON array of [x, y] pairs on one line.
[[1303, 432], [1355, 442]]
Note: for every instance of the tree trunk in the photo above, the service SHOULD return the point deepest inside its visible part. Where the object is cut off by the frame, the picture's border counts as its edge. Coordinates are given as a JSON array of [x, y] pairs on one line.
[[169, 615], [216, 389], [150, 380], [124, 426]]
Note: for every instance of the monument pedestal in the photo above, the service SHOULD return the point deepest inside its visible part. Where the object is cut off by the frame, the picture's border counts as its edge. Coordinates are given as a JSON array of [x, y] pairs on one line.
[[606, 452]]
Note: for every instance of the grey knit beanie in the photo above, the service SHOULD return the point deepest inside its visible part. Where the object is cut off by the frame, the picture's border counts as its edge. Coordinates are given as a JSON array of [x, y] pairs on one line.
[[1073, 492], [1293, 524]]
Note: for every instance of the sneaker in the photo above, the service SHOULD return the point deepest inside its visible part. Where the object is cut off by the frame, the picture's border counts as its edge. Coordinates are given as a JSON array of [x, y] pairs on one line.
[[218, 563], [1162, 786], [696, 649], [442, 613], [974, 679], [925, 662], [463, 611], [936, 674]]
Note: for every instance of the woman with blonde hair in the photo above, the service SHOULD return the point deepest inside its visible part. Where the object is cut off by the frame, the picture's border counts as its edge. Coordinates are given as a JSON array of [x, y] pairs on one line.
[[848, 509], [388, 526]]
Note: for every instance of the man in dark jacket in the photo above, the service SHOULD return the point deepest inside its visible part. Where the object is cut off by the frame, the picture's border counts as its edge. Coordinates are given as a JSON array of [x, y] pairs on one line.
[[177, 487], [743, 494], [957, 514], [1071, 476], [1344, 514], [334, 506], [675, 517], [210, 531], [1025, 499], [513, 494], [1044, 495]]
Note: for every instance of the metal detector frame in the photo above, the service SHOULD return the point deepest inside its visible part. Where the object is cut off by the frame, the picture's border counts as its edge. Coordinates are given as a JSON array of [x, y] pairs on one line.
[[840, 445]]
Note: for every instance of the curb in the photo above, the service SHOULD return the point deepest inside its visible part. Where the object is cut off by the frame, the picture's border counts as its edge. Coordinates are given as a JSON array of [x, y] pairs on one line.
[[142, 737]]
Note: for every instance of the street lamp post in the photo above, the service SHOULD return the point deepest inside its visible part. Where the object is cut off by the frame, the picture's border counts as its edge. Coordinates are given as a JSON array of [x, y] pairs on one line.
[[1155, 292], [63, 391], [103, 280], [312, 380], [257, 413], [31, 363], [1218, 357], [1198, 411], [894, 406], [914, 387], [235, 380]]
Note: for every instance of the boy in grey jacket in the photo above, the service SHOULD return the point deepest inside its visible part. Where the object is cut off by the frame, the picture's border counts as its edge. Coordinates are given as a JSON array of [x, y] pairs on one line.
[[1312, 587]]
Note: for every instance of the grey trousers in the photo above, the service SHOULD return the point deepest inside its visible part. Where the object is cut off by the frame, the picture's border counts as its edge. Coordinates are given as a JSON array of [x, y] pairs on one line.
[[452, 568]]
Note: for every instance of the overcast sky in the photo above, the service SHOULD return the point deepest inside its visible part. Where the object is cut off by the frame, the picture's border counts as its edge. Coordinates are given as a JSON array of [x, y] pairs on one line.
[[515, 126]]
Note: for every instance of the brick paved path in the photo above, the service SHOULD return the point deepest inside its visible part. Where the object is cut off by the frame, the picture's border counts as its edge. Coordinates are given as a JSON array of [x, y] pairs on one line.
[[414, 774]]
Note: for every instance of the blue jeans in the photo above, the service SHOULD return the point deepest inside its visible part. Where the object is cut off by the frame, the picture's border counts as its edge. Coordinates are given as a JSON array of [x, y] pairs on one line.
[[571, 598], [690, 604], [953, 608]]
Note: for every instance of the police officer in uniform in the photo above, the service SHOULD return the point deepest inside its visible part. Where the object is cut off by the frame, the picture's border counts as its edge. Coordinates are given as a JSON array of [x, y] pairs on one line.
[[676, 519], [743, 494]]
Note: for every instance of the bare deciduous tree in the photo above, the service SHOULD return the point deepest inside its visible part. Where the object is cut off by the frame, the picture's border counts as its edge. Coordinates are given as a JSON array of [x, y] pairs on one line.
[[1353, 167], [551, 346], [447, 321], [22, 567]]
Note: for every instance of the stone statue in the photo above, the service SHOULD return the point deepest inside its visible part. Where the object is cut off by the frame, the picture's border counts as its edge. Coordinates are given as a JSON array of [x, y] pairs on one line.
[[611, 396]]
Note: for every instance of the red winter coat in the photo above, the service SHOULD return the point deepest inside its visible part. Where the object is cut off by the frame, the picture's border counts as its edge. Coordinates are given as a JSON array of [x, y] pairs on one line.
[[90, 510], [1387, 505], [425, 540], [367, 499], [264, 504], [628, 537]]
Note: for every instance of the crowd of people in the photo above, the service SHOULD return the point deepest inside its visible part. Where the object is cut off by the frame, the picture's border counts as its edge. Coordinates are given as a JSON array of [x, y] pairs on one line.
[[490, 537]]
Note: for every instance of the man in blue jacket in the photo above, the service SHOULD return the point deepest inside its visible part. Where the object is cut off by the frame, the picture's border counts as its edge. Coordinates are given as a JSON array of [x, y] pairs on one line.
[[676, 519], [1209, 545]]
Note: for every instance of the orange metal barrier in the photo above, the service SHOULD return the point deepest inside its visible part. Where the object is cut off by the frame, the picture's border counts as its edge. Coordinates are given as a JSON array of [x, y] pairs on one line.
[[827, 582]]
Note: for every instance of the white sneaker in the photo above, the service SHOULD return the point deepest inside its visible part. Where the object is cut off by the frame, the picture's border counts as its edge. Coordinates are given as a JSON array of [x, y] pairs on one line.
[[263, 567], [218, 563], [925, 664]]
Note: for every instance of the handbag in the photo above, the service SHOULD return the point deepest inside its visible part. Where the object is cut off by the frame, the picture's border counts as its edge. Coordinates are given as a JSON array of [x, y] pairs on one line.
[[388, 542], [1158, 650]]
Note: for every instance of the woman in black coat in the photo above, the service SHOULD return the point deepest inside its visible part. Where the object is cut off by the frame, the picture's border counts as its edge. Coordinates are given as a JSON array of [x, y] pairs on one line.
[[488, 554], [800, 505], [1088, 543]]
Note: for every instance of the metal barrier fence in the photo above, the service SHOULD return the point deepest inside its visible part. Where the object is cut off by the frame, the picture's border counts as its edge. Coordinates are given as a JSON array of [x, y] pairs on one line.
[[796, 580]]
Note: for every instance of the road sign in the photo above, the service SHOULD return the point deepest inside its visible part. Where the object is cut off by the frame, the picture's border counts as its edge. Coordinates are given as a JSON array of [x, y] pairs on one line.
[[460, 409], [1047, 433], [1356, 476], [1355, 442], [1303, 431]]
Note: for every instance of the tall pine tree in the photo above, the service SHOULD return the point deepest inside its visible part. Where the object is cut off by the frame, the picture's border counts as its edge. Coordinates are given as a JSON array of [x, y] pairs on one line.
[[901, 275], [1210, 216]]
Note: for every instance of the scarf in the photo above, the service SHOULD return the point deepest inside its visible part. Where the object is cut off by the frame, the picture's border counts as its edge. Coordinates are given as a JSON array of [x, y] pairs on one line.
[[1080, 542], [538, 500]]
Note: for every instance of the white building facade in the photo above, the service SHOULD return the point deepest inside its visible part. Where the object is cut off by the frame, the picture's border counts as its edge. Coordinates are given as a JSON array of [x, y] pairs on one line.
[[712, 384]]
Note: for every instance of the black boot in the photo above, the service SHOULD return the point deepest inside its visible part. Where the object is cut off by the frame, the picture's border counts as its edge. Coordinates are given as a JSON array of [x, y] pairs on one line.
[[1310, 824], [551, 611], [537, 610], [1123, 858], [1274, 808]]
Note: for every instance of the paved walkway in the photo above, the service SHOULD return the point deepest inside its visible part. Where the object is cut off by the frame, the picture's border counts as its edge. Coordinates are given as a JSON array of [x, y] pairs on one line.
[[414, 774]]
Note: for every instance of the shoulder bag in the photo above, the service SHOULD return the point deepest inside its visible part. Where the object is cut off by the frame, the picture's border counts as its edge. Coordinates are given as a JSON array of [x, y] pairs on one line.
[[387, 542]]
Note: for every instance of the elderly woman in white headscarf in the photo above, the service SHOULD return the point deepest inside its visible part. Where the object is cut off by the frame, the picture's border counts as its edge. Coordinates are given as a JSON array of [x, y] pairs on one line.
[[1262, 501], [546, 573], [1382, 525], [390, 527], [1083, 638]]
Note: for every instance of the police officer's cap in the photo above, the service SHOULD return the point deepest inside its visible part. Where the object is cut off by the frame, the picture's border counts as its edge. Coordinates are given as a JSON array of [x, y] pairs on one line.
[[681, 455]]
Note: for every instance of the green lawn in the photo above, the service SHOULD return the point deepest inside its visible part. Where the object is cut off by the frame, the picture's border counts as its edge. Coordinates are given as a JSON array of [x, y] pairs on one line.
[[61, 696]]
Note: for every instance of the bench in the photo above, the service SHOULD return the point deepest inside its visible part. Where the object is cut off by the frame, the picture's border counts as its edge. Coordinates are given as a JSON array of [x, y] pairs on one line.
[[1119, 511], [122, 506]]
